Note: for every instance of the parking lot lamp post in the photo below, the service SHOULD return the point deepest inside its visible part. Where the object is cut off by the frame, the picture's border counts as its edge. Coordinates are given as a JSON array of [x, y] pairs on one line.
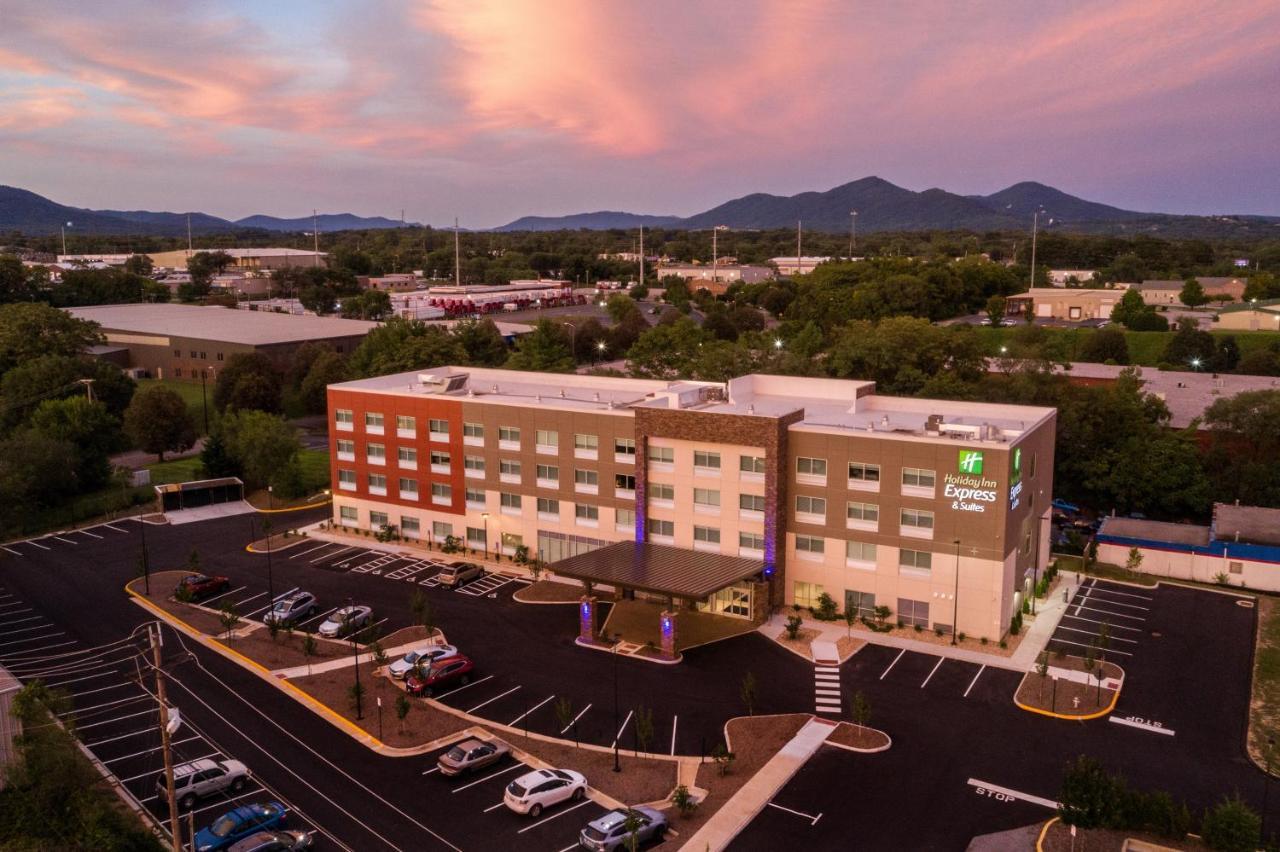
[[270, 491], [485, 516], [271, 583], [617, 639], [379, 717], [955, 597], [1035, 564], [355, 651], [146, 564], [204, 398]]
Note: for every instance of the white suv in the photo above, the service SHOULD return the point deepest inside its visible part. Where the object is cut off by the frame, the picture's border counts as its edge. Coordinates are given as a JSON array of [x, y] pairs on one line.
[[291, 608], [201, 778], [535, 790]]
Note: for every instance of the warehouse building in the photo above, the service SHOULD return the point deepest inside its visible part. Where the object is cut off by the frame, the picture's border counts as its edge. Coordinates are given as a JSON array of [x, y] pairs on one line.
[[171, 341], [245, 258], [1254, 315], [772, 489], [1067, 303]]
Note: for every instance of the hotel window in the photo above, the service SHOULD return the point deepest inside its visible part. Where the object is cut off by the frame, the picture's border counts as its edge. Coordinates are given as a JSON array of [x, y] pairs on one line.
[[750, 541], [811, 470], [583, 478], [586, 446], [709, 535], [811, 506], [811, 544], [548, 475], [510, 503], [509, 437], [860, 551], [408, 488], [177, 372], [624, 449], [625, 519], [624, 482], [344, 419], [440, 461], [473, 434], [476, 538], [378, 520], [439, 429], [475, 498], [706, 498], [547, 441], [509, 470], [915, 477], [806, 594], [548, 509], [706, 460], [863, 603], [177, 353], [373, 423], [585, 512], [410, 528], [406, 427], [408, 458], [915, 560], [350, 516], [662, 492], [441, 494], [662, 455], [219, 356], [862, 473], [346, 450], [1031, 471], [666, 529], [751, 464], [913, 613], [473, 466], [441, 529], [917, 519], [347, 480], [376, 453], [377, 484], [751, 502], [193, 354], [1235, 567], [862, 515]]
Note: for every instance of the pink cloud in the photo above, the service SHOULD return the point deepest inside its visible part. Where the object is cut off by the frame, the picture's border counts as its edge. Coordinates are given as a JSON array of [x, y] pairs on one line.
[[39, 107]]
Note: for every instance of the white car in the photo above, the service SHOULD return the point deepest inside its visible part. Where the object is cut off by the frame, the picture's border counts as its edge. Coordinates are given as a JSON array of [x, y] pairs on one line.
[[423, 656], [346, 620], [534, 791], [291, 608]]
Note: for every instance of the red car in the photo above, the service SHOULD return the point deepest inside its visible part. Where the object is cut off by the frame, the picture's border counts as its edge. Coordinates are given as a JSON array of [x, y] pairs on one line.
[[441, 674], [201, 586]]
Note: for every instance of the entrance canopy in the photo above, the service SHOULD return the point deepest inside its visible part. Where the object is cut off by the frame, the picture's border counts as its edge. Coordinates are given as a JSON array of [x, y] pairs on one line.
[[658, 569]]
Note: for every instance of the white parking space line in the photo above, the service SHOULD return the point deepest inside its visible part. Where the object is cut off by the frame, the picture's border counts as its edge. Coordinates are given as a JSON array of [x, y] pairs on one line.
[[493, 699], [22, 620], [1111, 591], [1137, 618], [335, 553], [115, 719], [14, 552], [488, 777], [975, 680], [150, 750], [67, 540], [41, 649], [529, 712], [317, 617], [582, 713], [34, 544], [33, 639], [500, 804], [19, 607], [1099, 621], [311, 550], [250, 598], [208, 601], [556, 815], [86, 532], [1082, 645], [117, 529], [625, 722], [432, 769], [1013, 794], [894, 663], [153, 772], [96, 743], [443, 695], [274, 600], [1119, 603], [813, 820], [1091, 633], [674, 719], [231, 802]]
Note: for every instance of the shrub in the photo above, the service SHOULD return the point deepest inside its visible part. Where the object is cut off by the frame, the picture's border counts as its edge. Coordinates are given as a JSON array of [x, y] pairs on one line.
[[683, 800], [793, 626], [1231, 825], [451, 544], [1222, 578], [723, 758], [1004, 644], [937, 631], [826, 608], [919, 628], [984, 640], [960, 636], [521, 556]]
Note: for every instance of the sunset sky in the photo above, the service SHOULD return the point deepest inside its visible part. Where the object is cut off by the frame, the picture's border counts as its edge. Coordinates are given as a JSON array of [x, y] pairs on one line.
[[492, 109]]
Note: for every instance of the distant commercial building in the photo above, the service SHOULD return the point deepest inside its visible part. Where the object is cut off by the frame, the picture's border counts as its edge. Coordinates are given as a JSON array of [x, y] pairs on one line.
[[391, 283], [10, 726], [798, 265], [1257, 315], [701, 276], [760, 492], [1169, 292], [71, 261], [1073, 277], [245, 258], [490, 298], [170, 341], [1241, 547], [1066, 303]]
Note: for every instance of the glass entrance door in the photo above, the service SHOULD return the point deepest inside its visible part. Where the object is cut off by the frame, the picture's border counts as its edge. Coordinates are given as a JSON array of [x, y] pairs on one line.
[[734, 600]]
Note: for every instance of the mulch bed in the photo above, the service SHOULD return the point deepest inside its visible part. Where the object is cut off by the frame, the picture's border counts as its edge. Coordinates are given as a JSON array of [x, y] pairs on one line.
[[1034, 693], [854, 736], [285, 651], [1058, 839], [800, 644], [162, 585], [549, 591]]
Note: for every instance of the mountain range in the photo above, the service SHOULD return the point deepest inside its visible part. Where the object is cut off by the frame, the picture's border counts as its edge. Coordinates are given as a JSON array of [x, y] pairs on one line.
[[29, 213], [881, 206]]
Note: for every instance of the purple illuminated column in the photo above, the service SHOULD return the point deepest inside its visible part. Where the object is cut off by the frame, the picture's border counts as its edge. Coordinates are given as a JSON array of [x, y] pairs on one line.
[[587, 618], [668, 626]]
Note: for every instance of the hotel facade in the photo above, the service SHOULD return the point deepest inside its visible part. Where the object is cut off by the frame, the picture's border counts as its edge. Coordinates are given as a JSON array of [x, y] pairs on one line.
[[938, 510]]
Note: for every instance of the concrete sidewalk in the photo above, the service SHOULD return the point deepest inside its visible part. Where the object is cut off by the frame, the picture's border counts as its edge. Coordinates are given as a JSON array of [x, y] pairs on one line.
[[752, 797], [344, 662], [1037, 633]]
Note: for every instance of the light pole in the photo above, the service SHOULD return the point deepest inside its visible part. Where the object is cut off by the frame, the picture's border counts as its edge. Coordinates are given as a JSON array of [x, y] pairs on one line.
[[853, 231], [573, 341], [617, 639], [1195, 364], [955, 597], [270, 491], [600, 347], [204, 398], [1035, 564], [485, 516], [355, 650], [146, 564], [1035, 226], [271, 583], [715, 256]]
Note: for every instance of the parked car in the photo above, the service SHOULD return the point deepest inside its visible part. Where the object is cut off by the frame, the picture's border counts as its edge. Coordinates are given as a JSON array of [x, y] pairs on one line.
[[205, 777], [346, 620], [610, 831], [275, 841], [291, 608], [421, 658], [197, 587], [238, 824], [541, 788], [443, 673], [471, 754], [456, 573]]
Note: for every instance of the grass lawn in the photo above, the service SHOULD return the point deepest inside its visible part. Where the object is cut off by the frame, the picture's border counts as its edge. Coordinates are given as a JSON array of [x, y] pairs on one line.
[[175, 470], [1145, 347], [1107, 571], [190, 393], [1264, 708]]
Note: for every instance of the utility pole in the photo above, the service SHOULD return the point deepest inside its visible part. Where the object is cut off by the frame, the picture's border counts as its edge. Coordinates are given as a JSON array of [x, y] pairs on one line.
[[799, 237], [64, 236], [88, 388], [188, 235], [715, 232], [457, 254], [1035, 226], [315, 233], [641, 282], [853, 232], [174, 825]]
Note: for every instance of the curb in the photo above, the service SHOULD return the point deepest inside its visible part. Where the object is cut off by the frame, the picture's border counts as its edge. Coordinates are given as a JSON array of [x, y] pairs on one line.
[[302, 539], [1043, 832], [292, 508], [1085, 718], [594, 647], [888, 745]]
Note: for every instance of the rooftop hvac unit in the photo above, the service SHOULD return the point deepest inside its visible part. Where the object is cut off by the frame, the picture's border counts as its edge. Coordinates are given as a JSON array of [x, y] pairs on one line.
[[933, 424]]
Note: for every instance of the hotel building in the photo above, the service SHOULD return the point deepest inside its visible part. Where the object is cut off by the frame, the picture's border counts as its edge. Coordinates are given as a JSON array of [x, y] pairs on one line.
[[782, 488]]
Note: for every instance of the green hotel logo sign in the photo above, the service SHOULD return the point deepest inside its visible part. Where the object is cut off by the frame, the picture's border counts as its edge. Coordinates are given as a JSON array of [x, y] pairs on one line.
[[970, 462]]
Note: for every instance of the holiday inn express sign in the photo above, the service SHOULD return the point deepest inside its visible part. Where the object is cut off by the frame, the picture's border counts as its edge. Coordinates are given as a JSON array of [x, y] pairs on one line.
[[968, 489]]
